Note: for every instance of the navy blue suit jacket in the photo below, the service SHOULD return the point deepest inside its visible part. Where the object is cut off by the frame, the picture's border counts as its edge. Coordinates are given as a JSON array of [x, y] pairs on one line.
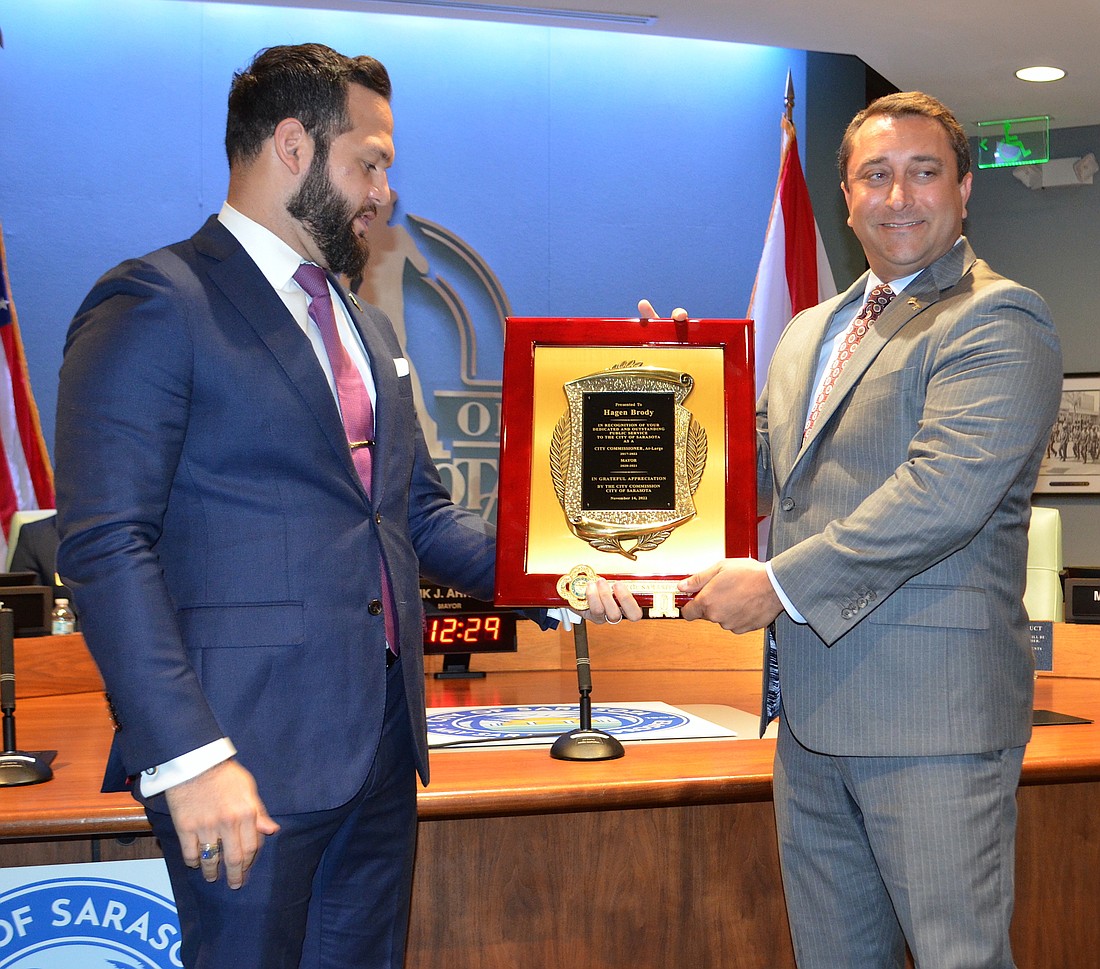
[[217, 539], [36, 551]]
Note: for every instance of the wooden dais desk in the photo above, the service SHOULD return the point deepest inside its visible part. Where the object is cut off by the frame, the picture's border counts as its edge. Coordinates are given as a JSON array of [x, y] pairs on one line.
[[665, 857]]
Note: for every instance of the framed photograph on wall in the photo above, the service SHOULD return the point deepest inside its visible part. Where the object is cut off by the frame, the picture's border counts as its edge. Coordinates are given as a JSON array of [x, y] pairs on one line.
[[1071, 464]]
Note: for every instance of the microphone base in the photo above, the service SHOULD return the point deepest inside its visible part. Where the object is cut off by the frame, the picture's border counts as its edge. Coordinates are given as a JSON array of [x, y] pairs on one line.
[[584, 744], [18, 768]]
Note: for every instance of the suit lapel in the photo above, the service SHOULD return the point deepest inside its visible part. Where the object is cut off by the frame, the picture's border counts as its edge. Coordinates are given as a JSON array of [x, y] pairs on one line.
[[807, 369], [242, 283], [802, 375], [921, 293]]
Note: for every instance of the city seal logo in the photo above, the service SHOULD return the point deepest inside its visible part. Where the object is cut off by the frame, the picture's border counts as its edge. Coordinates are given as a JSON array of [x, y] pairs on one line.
[[536, 720], [90, 923]]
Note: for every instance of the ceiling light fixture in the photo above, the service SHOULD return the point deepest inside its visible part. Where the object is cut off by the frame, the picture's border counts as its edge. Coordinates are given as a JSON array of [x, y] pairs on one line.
[[555, 13], [1040, 74]]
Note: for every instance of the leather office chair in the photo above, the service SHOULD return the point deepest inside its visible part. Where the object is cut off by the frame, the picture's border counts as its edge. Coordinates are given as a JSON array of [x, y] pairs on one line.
[[1043, 594]]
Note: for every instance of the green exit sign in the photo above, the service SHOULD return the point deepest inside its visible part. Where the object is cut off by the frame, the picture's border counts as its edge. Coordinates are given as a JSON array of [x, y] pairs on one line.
[[1015, 141]]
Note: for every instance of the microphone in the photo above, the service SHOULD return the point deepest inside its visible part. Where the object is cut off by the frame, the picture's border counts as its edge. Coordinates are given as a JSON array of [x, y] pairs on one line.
[[584, 743], [16, 766]]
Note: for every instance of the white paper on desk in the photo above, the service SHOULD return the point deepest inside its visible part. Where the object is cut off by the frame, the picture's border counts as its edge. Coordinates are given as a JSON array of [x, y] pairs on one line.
[[540, 724]]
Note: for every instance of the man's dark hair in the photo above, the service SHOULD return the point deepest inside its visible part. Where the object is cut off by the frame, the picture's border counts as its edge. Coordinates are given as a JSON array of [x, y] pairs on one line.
[[306, 81], [908, 104]]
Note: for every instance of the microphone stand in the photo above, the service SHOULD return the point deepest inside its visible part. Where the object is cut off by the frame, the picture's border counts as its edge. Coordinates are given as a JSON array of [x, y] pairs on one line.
[[16, 766], [585, 743]]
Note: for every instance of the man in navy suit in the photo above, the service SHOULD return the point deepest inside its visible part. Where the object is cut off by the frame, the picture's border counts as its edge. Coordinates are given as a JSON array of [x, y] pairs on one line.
[[249, 591]]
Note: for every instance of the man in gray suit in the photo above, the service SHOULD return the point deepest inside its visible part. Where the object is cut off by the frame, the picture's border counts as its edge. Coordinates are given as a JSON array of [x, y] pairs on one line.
[[898, 448]]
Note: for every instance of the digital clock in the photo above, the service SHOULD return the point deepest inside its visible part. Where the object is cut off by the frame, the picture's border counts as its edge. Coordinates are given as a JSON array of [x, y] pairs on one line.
[[470, 632], [457, 625]]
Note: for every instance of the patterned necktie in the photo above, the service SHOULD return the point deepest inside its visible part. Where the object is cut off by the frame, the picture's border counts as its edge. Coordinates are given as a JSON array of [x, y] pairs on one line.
[[355, 406], [877, 300], [772, 692]]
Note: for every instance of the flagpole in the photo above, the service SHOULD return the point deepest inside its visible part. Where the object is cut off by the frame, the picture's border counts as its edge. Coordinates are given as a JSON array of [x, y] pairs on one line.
[[788, 99]]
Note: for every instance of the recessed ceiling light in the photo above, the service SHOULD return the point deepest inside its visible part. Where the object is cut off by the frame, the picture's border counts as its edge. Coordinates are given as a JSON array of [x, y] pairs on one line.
[[1040, 73]]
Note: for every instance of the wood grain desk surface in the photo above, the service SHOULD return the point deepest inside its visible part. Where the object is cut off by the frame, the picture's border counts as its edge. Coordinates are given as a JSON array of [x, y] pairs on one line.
[[472, 783]]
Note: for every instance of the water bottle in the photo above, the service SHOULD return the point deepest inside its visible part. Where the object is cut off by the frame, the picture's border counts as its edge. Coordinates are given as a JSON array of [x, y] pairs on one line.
[[62, 620]]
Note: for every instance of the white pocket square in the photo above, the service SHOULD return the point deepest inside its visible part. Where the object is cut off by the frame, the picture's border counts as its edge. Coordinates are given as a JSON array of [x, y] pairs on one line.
[[402, 366]]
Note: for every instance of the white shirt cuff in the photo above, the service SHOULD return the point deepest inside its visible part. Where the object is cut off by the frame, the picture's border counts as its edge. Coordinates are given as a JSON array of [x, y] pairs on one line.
[[788, 606], [183, 768], [566, 618]]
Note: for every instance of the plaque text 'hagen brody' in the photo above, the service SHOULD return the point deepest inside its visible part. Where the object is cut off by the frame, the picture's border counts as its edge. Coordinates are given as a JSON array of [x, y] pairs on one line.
[[628, 449]]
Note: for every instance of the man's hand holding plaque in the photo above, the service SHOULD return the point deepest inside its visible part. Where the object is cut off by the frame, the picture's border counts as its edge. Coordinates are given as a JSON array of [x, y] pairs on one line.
[[735, 593], [604, 602], [647, 312]]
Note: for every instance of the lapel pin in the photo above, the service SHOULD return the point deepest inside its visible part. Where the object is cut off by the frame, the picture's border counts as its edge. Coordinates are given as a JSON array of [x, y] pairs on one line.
[[913, 301], [355, 302]]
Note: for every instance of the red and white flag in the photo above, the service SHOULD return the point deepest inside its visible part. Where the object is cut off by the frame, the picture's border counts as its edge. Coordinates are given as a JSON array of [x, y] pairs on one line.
[[794, 270], [26, 476]]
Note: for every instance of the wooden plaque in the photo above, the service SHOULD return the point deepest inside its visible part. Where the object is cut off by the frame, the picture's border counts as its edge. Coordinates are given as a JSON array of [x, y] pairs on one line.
[[628, 450]]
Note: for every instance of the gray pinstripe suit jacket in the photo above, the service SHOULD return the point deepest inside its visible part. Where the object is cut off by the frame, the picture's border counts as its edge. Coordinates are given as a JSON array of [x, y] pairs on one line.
[[899, 527]]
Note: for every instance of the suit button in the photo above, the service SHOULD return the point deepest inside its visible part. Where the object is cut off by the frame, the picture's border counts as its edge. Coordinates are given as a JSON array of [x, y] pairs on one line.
[[375, 607], [846, 613], [787, 504], [378, 519]]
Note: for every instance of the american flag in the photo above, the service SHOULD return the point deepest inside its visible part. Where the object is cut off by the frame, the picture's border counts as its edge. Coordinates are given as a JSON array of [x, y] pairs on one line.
[[794, 270], [26, 477]]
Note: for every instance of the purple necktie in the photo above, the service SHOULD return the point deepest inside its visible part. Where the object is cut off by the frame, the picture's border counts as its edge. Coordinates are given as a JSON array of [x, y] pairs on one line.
[[355, 405]]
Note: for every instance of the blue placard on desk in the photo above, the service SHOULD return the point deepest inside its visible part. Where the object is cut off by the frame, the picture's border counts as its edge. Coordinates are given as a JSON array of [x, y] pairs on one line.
[[107, 913], [1042, 644]]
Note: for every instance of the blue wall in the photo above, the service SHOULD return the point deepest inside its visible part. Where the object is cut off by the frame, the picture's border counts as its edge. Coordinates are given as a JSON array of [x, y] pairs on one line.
[[586, 167]]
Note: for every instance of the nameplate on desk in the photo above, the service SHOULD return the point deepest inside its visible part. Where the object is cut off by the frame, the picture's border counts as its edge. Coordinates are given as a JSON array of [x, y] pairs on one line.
[[1042, 644], [88, 915], [1083, 600]]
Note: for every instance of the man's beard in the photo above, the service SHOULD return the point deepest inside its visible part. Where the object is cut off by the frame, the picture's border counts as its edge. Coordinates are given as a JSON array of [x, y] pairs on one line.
[[328, 217]]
